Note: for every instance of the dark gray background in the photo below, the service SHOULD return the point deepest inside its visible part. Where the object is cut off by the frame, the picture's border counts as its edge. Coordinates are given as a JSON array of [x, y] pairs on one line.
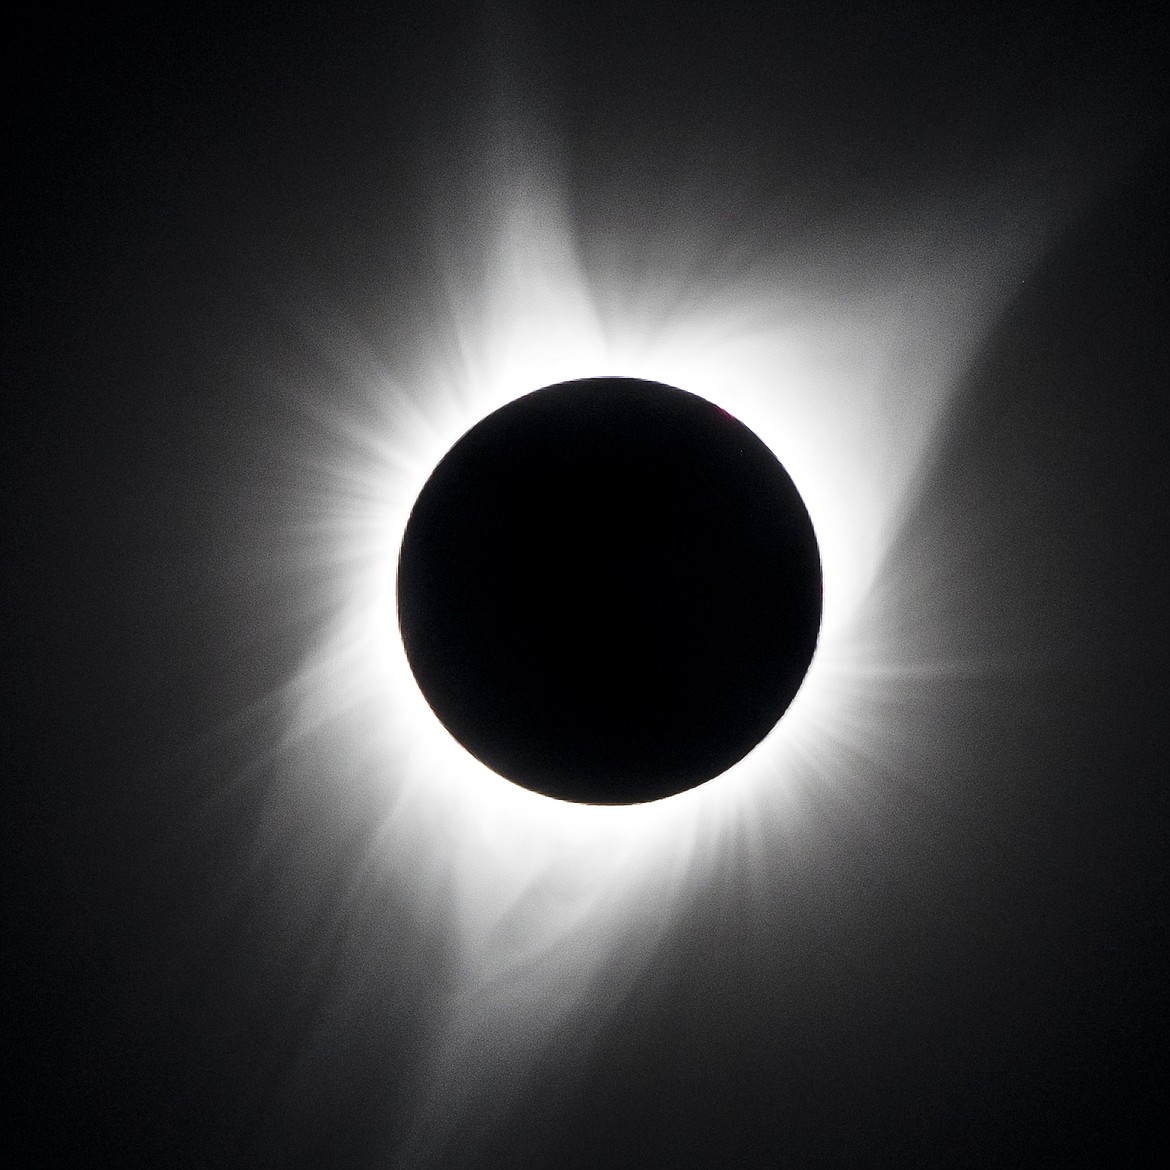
[[979, 983]]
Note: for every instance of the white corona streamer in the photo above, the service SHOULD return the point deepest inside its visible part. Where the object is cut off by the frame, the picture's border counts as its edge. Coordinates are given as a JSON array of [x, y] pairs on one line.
[[532, 894]]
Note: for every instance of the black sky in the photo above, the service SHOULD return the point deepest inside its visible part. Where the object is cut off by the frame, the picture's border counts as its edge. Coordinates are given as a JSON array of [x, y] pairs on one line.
[[966, 969]]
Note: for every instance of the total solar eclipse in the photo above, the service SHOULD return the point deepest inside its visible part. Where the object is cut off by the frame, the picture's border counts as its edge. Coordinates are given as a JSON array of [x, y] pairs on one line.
[[609, 591]]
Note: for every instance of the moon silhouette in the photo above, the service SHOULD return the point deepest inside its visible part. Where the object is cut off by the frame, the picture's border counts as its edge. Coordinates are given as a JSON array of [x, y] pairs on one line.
[[609, 591]]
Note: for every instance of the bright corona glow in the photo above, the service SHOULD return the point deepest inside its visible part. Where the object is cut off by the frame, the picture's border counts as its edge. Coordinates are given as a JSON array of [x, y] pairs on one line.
[[846, 389]]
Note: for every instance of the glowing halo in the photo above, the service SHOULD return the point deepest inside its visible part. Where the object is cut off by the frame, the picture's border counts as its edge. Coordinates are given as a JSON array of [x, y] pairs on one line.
[[813, 380], [529, 892]]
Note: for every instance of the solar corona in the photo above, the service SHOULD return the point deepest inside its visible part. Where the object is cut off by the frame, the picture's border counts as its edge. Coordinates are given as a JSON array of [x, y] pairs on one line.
[[609, 591]]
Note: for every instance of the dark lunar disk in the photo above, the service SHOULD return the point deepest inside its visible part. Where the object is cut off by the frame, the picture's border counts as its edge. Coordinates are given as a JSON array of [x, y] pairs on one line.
[[609, 591]]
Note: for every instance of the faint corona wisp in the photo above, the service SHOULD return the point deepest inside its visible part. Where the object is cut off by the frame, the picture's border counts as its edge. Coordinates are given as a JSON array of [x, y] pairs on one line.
[[846, 390]]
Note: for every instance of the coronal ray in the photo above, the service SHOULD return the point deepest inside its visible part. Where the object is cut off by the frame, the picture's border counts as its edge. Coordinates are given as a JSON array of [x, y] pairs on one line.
[[538, 899]]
